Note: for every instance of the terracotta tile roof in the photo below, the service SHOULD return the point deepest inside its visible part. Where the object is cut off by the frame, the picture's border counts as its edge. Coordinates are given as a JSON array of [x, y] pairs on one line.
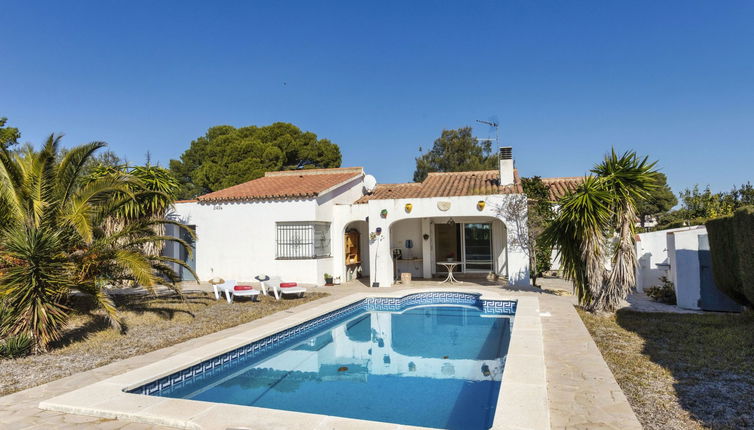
[[447, 184], [562, 186], [286, 184]]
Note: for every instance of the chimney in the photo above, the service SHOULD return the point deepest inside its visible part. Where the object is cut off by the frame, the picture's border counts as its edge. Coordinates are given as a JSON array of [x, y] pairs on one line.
[[506, 165]]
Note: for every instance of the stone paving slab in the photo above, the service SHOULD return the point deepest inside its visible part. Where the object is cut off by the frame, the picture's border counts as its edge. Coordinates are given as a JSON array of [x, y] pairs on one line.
[[581, 390]]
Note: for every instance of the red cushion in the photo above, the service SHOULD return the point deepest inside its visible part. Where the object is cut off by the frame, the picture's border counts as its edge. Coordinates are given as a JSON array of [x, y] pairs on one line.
[[288, 284], [243, 287]]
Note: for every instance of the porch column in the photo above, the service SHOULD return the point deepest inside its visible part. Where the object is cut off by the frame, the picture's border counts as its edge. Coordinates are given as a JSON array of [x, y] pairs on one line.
[[380, 259], [426, 249]]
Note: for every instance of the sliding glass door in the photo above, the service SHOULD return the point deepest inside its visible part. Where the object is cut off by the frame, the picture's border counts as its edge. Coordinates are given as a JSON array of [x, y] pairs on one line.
[[470, 244], [477, 247]]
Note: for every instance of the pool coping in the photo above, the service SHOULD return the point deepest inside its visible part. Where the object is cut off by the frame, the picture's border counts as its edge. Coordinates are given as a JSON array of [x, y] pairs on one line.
[[522, 402]]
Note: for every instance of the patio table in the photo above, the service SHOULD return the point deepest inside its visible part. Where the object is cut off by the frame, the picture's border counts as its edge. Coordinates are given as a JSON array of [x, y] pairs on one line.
[[450, 265]]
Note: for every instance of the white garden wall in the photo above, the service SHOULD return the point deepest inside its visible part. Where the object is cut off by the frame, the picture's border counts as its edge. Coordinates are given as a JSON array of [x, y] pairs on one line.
[[653, 258], [684, 265]]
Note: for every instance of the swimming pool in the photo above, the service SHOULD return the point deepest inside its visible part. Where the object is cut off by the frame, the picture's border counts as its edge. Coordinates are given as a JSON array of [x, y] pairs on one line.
[[428, 359]]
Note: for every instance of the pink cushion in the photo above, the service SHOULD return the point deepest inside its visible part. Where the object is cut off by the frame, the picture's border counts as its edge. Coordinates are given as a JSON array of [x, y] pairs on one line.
[[288, 284], [243, 287]]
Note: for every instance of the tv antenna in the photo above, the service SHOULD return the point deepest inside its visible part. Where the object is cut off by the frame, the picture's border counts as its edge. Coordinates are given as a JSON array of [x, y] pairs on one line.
[[492, 123]]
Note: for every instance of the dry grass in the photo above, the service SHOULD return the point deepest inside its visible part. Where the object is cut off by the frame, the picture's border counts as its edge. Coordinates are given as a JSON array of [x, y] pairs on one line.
[[681, 371], [152, 323]]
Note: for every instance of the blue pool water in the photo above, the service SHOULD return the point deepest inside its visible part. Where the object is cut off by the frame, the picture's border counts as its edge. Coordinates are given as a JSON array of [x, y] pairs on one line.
[[434, 365]]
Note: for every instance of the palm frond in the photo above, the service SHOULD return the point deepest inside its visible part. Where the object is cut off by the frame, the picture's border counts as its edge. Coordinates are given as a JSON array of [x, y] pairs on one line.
[[71, 168], [137, 266]]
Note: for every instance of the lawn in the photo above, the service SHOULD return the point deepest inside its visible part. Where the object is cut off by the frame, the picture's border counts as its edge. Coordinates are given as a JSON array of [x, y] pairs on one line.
[[681, 371], [152, 323]]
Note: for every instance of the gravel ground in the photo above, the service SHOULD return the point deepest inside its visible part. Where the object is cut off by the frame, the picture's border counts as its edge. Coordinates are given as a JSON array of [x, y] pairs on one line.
[[152, 323], [681, 371]]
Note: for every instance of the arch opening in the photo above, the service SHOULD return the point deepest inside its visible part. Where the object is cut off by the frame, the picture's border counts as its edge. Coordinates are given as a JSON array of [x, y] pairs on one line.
[[420, 246], [355, 258]]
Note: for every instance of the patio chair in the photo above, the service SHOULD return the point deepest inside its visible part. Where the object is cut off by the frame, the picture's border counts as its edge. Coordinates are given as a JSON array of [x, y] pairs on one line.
[[231, 289], [279, 288]]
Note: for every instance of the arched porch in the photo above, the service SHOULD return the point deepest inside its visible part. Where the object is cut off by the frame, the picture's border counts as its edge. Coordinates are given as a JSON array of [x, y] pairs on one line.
[[354, 261], [477, 243]]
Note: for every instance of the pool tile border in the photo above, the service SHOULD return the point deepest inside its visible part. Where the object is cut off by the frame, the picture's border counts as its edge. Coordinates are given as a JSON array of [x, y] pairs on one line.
[[522, 402]]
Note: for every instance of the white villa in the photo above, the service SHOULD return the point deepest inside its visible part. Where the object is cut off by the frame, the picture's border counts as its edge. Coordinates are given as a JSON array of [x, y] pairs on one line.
[[303, 224]]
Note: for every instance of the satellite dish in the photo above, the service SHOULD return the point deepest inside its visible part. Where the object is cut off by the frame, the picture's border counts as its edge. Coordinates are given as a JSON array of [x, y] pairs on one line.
[[370, 183]]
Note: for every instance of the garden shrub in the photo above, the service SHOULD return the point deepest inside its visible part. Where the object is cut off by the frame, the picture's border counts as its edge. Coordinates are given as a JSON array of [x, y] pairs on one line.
[[744, 228], [15, 346], [730, 240], [664, 293]]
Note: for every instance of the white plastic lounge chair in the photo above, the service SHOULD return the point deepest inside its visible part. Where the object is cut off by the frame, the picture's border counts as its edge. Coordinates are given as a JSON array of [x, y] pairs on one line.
[[231, 289], [279, 288]]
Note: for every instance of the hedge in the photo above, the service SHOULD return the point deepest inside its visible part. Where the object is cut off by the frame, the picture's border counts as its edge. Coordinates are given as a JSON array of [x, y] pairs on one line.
[[731, 241]]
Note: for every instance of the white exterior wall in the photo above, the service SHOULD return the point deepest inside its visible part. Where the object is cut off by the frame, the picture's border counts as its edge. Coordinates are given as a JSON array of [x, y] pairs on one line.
[[513, 263], [685, 271], [409, 229], [237, 239], [653, 257]]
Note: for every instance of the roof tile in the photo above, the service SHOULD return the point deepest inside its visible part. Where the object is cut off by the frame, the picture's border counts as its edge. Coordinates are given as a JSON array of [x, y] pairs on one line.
[[285, 184], [451, 184], [559, 187]]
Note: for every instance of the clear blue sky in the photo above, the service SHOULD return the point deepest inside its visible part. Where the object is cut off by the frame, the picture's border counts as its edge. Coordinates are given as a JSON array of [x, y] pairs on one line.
[[567, 79]]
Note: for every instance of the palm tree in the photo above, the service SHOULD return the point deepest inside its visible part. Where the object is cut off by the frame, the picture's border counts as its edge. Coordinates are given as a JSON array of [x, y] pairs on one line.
[[54, 237], [595, 226], [628, 179], [578, 232]]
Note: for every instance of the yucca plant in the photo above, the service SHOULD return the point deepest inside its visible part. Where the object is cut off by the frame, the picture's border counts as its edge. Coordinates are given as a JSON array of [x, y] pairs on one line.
[[594, 230], [15, 346], [628, 179], [55, 236], [579, 232]]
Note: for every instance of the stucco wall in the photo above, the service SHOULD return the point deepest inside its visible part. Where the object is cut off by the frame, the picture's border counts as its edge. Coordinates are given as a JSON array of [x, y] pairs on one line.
[[237, 239], [512, 263], [685, 270], [409, 229], [652, 255]]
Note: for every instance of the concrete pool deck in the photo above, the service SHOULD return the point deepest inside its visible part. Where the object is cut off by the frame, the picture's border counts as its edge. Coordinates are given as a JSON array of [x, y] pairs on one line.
[[581, 390]]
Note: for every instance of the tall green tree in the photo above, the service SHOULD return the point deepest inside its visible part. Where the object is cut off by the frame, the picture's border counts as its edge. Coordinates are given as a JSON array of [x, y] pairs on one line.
[[743, 196], [62, 230], [659, 201], [8, 135], [540, 214], [455, 151], [227, 156], [701, 205], [705, 203], [594, 229]]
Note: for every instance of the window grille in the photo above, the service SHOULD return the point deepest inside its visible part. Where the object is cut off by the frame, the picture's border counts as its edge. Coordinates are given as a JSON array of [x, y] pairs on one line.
[[300, 240]]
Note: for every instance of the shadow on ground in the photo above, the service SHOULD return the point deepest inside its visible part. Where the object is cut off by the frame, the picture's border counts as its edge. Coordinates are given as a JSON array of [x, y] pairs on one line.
[[166, 307], [710, 357]]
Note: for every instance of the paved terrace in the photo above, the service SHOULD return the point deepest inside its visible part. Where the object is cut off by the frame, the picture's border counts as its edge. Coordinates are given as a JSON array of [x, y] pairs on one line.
[[582, 392]]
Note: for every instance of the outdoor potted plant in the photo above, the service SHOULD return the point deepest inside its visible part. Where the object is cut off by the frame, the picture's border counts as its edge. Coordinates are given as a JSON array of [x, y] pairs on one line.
[[451, 256], [328, 279]]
